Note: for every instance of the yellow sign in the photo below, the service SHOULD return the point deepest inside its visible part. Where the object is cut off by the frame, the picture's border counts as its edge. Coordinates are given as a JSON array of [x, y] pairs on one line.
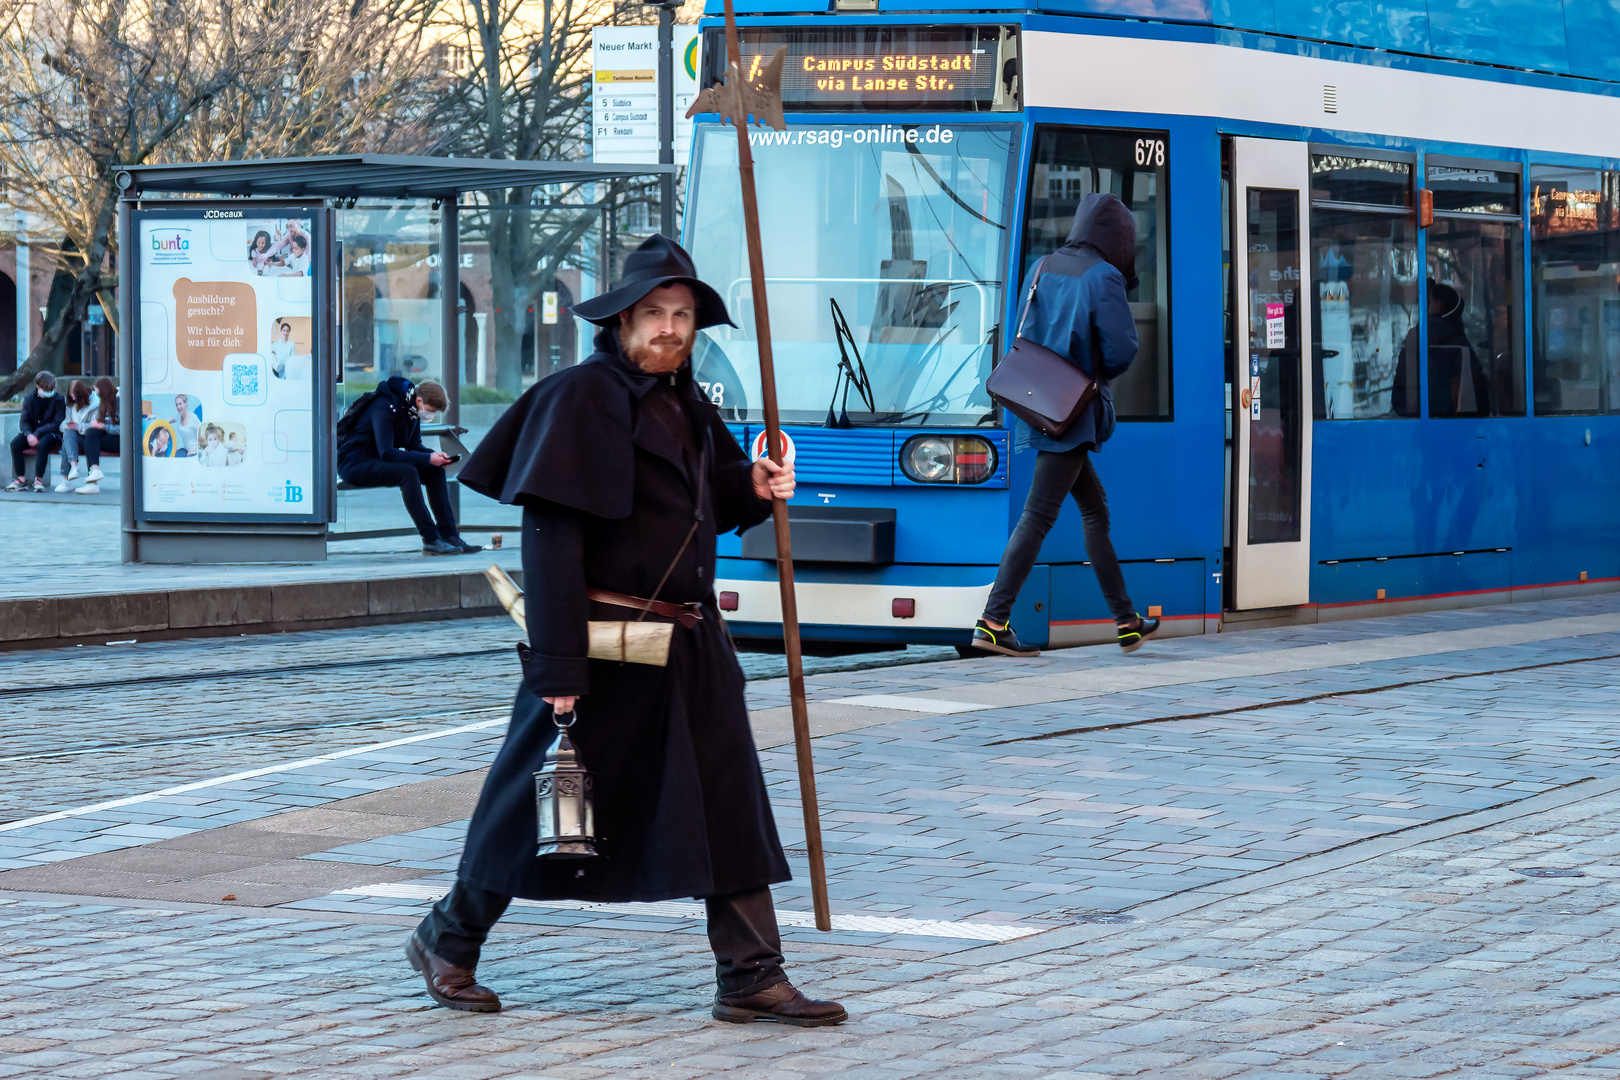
[[627, 76]]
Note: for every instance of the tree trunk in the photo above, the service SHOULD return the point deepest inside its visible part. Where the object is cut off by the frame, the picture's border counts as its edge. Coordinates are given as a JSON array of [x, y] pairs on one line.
[[509, 292]]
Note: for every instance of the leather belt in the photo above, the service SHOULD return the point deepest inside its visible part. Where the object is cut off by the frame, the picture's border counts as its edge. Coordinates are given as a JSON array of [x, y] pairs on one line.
[[688, 615]]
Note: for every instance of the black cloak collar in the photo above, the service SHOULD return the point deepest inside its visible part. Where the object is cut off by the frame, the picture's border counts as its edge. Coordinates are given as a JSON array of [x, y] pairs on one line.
[[571, 438]]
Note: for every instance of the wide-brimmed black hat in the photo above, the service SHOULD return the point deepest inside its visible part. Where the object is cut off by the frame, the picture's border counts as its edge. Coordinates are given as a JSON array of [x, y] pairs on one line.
[[658, 261]]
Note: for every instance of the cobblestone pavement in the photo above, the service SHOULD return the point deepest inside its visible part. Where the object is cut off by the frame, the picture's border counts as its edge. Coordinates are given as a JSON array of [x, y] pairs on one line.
[[1347, 846], [1440, 958]]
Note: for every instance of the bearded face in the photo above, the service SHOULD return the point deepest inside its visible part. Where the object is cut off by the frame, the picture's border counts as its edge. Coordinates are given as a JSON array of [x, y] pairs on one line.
[[657, 334]]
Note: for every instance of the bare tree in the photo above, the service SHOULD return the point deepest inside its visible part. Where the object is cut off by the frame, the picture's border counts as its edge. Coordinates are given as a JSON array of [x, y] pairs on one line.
[[525, 94], [94, 84]]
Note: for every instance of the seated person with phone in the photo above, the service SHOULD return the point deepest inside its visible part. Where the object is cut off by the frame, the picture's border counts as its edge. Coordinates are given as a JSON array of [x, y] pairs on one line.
[[380, 445]]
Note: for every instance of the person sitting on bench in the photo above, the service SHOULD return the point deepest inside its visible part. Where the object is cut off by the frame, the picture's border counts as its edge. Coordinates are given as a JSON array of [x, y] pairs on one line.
[[380, 445], [39, 429]]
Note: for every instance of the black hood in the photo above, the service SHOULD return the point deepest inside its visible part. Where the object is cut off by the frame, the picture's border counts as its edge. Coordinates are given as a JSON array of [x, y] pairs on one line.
[[1107, 224], [398, 389]]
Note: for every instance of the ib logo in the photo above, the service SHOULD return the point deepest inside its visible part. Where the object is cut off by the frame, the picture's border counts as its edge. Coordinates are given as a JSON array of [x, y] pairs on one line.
[[290, 493], [170, 246]]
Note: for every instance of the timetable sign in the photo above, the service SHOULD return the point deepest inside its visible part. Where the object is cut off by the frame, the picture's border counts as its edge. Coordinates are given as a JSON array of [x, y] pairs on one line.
[[624, 93]]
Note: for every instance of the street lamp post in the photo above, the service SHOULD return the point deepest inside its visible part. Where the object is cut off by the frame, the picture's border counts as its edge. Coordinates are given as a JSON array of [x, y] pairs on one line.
[[666, 115]]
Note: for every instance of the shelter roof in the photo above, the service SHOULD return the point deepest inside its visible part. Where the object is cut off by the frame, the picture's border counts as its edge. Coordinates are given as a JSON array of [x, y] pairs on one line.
[[365, 176]]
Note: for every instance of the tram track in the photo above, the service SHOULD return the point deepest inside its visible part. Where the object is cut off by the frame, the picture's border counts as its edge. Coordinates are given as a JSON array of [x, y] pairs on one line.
[[179, 740], [855, 663], [248, 673], [1307, 699]]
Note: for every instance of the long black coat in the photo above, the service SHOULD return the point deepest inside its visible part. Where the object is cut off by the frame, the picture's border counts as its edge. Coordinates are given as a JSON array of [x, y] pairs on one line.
[[609, 493]]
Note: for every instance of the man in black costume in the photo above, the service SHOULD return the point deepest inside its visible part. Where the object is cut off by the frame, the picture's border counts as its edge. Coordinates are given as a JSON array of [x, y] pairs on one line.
[[626, 475]]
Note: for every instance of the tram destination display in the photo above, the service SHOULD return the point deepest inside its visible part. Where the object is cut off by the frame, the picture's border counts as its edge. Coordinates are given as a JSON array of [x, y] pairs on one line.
[[225, 361], [878, 68]]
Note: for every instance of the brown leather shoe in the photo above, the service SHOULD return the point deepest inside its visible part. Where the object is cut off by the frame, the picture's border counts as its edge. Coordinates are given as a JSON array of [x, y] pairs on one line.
[[782, 1004], [451, 986]]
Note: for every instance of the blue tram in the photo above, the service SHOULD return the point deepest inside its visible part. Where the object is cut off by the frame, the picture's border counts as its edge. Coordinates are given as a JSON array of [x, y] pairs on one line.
[[1379, 303]]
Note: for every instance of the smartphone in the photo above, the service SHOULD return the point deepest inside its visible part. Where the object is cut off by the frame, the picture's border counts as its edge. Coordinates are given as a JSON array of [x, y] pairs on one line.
[[453, 459]]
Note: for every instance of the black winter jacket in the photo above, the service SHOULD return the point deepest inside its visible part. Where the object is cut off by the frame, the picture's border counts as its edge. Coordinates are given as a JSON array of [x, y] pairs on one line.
[[388, 430], [42, 415]]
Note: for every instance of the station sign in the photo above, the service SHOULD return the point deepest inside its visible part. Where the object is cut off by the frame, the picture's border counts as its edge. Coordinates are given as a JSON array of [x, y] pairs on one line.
[[624, 93], [228, 350]]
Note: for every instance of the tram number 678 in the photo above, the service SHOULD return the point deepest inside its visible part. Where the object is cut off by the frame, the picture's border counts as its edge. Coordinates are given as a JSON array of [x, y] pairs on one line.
[[1150, 151]]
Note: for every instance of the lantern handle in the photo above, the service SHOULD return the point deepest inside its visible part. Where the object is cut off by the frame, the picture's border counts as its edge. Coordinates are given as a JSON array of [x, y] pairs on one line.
[[573, 718]]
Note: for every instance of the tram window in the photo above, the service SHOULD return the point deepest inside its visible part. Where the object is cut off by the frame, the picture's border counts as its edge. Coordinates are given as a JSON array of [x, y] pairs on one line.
[[1070, 163], [1575, 282], [1476, 331], [884, 245], [1365, 257]]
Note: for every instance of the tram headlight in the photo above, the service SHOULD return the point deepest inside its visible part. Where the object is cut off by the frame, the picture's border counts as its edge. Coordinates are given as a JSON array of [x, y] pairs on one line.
[[948, 459]]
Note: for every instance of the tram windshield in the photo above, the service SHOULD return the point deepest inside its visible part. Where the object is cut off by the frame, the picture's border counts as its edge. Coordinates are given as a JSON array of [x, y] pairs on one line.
[[884, 249]]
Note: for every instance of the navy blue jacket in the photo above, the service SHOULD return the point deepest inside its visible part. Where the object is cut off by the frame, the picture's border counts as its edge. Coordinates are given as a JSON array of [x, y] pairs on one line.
[[42, 415], [388, 430], [1080, 311]]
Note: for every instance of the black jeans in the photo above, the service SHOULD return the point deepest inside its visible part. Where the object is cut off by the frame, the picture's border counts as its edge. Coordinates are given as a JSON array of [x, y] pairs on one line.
[[411, 479], [1057, 475], [742, 932], [48, 444], [95, 441]]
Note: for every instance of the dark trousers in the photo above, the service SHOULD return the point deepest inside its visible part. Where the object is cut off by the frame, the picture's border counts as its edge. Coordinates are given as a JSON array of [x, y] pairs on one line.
[[411, 479], [1057, 475], [742, 932], [48, 445], [95, 441]]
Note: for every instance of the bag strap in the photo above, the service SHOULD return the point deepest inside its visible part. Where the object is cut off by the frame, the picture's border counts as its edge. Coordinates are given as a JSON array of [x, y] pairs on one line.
[[1040, 264], [703, 475]]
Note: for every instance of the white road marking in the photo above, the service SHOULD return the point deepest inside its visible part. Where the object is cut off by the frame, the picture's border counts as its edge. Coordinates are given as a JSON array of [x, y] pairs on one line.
[[220, 781], [672, 909]]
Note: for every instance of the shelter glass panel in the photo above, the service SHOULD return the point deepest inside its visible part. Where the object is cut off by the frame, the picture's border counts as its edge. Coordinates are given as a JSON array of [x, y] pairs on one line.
[[391, 325], [1575, 285], [1365, 257], [1069, 163], [521, 270]]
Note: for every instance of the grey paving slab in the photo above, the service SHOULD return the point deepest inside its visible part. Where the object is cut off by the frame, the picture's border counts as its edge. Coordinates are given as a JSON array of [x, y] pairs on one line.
[[1250, 752], [1430, 960]]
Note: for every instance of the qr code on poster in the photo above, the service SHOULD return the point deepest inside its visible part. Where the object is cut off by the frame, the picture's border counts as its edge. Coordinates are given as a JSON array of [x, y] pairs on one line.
[[244, 380]]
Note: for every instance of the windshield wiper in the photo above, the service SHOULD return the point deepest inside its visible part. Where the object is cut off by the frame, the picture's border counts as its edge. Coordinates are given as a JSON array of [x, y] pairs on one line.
[[849, 374]]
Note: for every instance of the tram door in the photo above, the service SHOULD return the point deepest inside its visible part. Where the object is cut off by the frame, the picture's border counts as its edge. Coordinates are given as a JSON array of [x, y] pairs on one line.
[[1271, 413]]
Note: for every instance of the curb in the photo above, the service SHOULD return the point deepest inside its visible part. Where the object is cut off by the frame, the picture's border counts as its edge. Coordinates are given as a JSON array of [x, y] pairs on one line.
[[49, 622]]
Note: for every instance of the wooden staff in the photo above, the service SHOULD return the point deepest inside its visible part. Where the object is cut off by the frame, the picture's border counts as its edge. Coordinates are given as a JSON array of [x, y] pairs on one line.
[[737, 100]]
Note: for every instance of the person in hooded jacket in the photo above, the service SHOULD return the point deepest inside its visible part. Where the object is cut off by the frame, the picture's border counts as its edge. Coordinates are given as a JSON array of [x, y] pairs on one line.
[[1078, 309], [1450, 354], [39, 428], [382, 447], [626, 474]]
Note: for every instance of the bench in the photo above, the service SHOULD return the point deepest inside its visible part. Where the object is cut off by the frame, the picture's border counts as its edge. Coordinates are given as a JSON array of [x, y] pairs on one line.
[[449, 443]]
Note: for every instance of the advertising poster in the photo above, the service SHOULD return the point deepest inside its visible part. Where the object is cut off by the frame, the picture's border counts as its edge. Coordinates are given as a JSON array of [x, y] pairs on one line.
[[226, 363]]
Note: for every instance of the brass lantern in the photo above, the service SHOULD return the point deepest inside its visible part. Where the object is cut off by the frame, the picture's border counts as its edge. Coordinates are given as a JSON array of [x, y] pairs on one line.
[[562, 801]]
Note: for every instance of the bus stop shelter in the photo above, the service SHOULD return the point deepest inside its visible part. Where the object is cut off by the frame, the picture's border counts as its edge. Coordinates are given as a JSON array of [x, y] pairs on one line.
[[190, 201]]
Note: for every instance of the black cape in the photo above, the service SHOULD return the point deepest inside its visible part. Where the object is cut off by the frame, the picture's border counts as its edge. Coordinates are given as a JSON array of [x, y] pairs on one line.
[[612, 467]]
